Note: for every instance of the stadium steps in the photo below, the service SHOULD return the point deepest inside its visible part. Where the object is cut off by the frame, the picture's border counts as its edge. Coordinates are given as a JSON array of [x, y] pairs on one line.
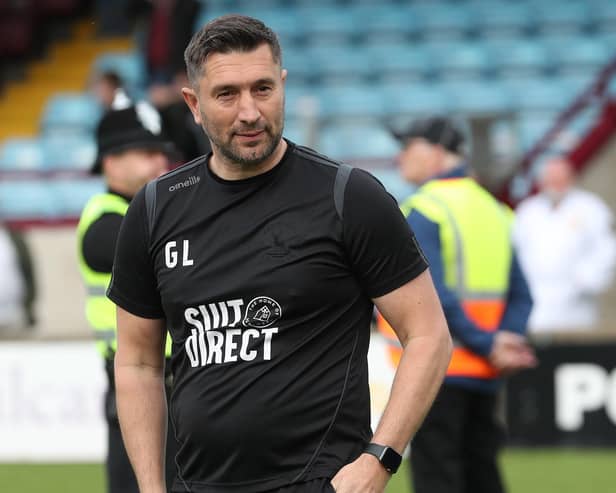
[[66, 68]]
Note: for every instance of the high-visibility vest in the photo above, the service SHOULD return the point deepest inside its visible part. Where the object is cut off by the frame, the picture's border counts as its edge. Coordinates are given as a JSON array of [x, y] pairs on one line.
[[100, 310], [474, 233]]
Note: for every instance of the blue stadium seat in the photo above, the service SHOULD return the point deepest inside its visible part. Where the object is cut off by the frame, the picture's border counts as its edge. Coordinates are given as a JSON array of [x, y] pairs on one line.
[[300, 66], [538, 95], [337, 64], [561, 17], [393, 182], [327, 25], [604, 16], [399, 62], [128, 65], [515, 58], [357, 141], [578, 55], [300, 102], [415, 99], [72, 194], [21, 155], [70, 112], [69, 152], [479, 98], [459, 60], [500, 19], [356, 101], [27, 199], [438, 20], [390, 23]]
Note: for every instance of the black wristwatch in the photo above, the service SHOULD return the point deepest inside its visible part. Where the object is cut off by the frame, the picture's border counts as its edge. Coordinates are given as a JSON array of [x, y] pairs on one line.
[[388, 457]]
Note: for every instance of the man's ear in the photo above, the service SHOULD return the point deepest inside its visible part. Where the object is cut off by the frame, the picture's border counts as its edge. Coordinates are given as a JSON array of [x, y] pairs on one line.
[[191, 99]]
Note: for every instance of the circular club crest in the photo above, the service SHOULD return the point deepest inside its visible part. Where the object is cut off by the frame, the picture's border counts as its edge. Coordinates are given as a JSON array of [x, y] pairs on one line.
[[262, 312]]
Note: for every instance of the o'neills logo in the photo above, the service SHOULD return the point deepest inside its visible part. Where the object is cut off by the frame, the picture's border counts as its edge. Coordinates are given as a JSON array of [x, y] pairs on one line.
[[220, 334], [190, 181]]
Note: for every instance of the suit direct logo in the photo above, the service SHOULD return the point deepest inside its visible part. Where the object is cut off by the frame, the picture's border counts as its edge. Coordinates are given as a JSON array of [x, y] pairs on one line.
[[262, 312]]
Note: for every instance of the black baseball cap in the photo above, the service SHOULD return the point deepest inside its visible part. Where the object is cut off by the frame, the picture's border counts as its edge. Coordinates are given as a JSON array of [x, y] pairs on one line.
[[437, 130], [134, 127]]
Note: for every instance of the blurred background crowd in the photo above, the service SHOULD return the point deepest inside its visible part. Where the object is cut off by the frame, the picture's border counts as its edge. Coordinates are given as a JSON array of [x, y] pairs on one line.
[[529, 82]]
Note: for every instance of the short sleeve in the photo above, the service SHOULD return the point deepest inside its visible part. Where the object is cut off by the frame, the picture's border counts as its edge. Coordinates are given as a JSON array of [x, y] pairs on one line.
[[133, 284], [381, 247]]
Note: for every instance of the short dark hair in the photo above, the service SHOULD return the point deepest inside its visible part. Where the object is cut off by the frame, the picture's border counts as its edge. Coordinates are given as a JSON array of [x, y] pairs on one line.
[[112, 78], [226, 34]]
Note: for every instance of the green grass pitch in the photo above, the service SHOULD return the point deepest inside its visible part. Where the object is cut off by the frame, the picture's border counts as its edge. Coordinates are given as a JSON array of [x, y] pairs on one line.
[[525, 470]]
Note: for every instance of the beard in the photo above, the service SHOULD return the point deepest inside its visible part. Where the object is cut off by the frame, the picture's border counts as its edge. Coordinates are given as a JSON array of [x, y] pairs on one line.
[[245, 157]]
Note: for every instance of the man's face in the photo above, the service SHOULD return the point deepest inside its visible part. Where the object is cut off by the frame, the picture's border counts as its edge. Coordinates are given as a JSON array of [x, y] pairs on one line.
[[419, 160], [240, 105], [130, 170]]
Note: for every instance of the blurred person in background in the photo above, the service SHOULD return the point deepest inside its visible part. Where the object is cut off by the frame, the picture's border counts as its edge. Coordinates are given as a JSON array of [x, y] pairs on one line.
[[567, 249], [165, 27], [106, 87], [12, 284], [178, 121], [132, 150], [465, 235], [265, 260]]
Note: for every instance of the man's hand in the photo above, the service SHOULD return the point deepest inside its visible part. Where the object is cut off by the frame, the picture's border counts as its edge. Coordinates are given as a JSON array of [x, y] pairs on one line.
[[511, 353], [365, 475]]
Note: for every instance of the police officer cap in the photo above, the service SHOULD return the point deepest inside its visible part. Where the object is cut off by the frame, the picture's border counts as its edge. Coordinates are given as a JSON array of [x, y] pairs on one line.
[[136, 126], [437, 130]]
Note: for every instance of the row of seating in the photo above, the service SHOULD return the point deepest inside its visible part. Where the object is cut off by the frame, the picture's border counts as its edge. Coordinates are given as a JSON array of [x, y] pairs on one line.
[[428, 20], [46, 199]]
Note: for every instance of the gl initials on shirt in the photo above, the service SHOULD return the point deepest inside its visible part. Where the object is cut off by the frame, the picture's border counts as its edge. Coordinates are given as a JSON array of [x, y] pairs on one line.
[[172, 254]]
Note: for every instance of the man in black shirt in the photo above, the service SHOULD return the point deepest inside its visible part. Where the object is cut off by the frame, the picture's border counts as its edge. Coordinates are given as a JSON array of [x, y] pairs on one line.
[[264, 260]]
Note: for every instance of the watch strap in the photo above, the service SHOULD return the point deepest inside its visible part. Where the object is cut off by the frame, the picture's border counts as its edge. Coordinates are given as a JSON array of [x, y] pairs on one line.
[[387, 456]]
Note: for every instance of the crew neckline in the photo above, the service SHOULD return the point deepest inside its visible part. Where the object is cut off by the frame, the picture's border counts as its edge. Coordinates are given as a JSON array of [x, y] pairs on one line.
[[252, 179]]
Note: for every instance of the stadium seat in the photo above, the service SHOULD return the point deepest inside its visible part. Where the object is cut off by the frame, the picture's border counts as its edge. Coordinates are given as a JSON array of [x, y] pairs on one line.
[[561, 17], [69, 152], [399, 62], [577, 55], [516, 58], [604, 16], [128, 65], [393, 182], [22, 155], [70, 112], [438, 20], [391, 23], [71, 195], [538, 95], [357, 141], [478, 98], [415, 99], [459, 60], [339, 65], [327, 25], [351, 101], [27, 199], [502, 19]]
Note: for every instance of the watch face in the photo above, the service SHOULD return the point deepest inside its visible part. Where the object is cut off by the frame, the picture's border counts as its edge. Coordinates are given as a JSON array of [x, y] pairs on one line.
[[391, 459]]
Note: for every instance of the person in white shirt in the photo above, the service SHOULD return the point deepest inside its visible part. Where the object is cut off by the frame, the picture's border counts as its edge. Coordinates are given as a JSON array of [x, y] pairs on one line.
[[567, 249], [12, 287]]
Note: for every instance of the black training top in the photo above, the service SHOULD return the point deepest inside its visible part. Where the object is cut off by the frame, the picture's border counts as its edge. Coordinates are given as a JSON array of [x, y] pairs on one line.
[[267, 291]]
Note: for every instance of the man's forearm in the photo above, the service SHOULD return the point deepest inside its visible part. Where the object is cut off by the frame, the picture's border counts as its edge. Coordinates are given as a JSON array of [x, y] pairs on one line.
[[419, 376], [142, 411]]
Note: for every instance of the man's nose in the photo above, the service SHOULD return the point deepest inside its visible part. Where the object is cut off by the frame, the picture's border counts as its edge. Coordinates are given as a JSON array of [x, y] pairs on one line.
[[248, 110]]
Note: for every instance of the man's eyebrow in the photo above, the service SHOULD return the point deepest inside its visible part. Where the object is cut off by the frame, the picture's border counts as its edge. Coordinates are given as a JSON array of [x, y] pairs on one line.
[[229, 87]]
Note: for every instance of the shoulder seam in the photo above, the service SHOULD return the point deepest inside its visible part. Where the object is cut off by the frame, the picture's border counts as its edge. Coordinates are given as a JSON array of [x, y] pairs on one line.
[[315, 156], [185, 167]]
